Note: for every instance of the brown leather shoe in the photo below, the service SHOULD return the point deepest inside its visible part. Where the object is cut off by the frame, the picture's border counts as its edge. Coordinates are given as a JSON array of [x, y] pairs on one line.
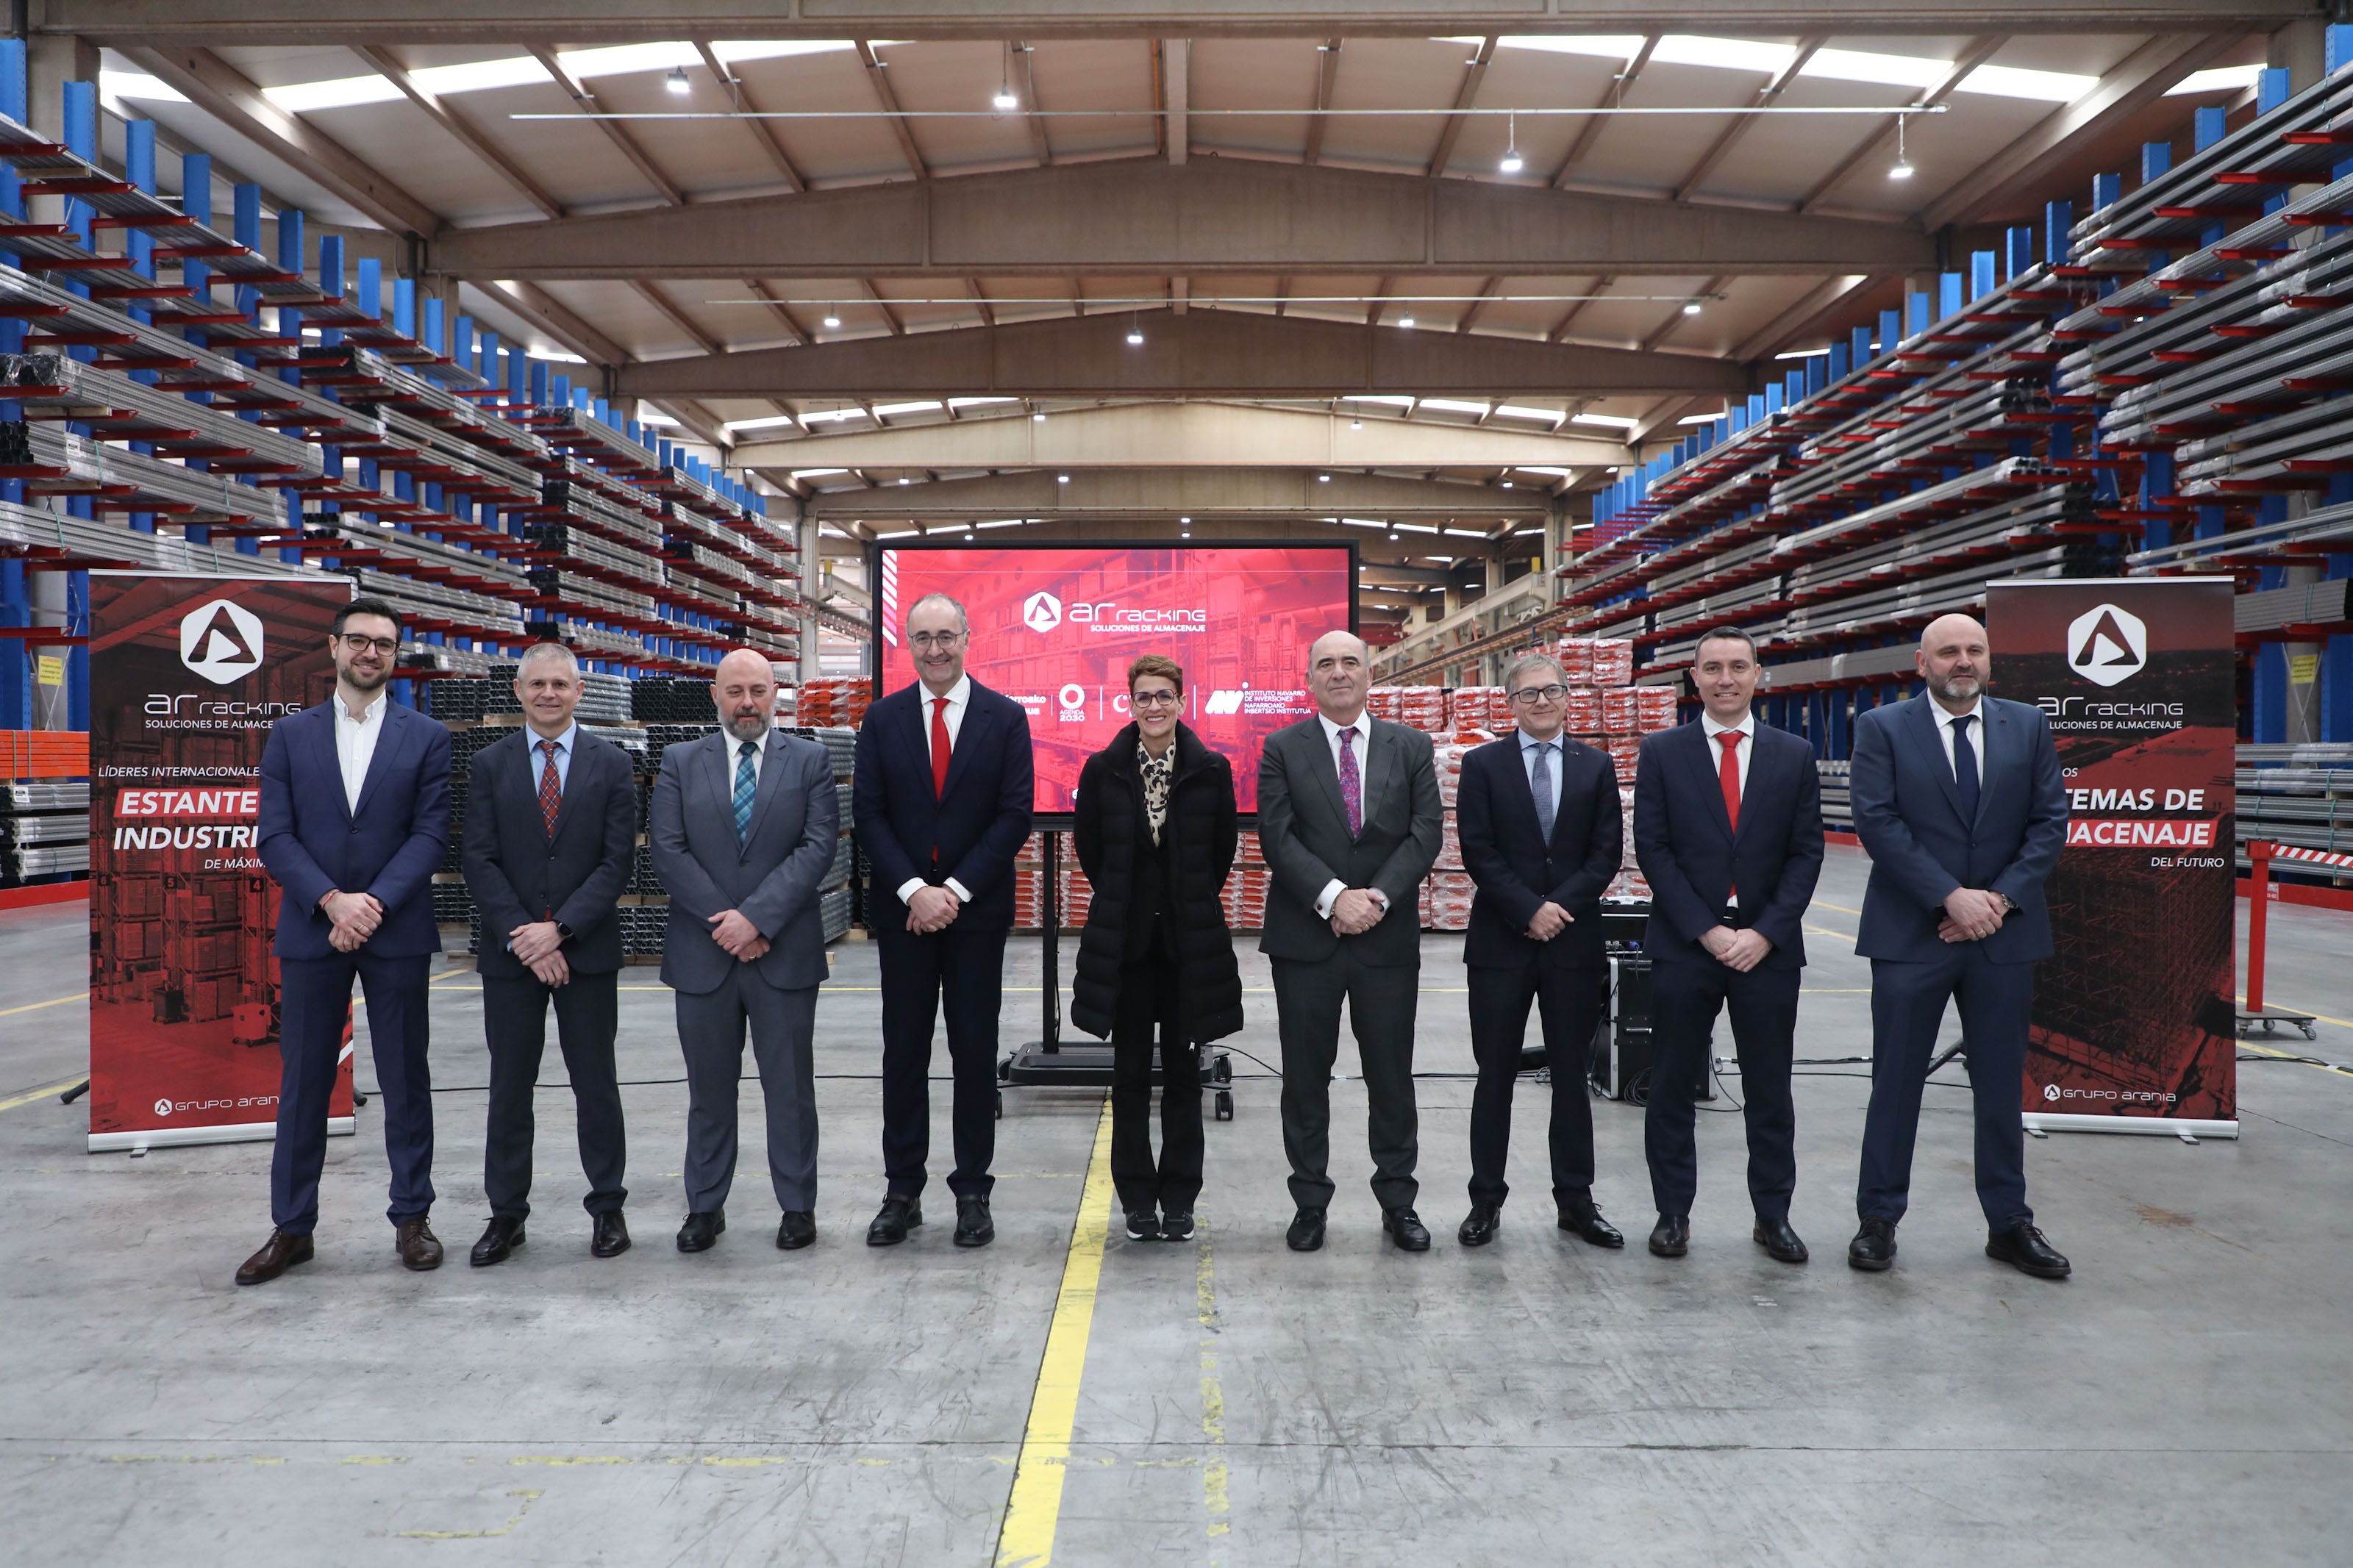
[[279, 1254], [417, 1246]]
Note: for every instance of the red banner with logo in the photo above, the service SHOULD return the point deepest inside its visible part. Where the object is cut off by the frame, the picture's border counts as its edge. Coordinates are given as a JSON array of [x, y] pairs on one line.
[[1055, 627], [2134, 1017], [186, 675]]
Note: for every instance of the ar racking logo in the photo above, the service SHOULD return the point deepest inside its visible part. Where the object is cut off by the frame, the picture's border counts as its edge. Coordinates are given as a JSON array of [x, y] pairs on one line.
[[221, 641], [1041, 612], [2107, 645]]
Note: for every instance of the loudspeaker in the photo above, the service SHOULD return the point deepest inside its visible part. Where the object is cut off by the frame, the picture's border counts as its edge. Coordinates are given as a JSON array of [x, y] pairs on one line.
[[1621, 1044]]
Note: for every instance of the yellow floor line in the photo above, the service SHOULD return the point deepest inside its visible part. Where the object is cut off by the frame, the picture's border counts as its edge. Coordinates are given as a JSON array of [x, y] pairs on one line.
[[1214, 1497], [52, 1001], [1826, 904], [31, 1095], [1035, 1508]]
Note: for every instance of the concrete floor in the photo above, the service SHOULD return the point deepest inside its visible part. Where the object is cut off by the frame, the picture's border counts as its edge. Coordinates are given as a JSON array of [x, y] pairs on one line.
[[2188, 1397]]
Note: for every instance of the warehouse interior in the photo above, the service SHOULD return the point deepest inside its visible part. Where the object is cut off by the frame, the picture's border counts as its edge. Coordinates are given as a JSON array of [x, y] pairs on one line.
[[646, 329]]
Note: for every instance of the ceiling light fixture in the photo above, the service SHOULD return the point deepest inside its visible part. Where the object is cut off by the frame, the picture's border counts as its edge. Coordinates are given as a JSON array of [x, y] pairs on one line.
[[1355, 424], [1062, 478], [1323, 479], [1405, 321], [1037, 419], [1691, 308], [1135, 331], [1512, 162], [1004, 102], [1902, 167], [832, 321], [675, 81]]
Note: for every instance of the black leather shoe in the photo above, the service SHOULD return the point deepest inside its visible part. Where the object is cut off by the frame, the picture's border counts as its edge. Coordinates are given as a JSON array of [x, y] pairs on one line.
[[1142, 1225], [795, 1230], [899, 1214], [1479, 1229], [280, 1252], [610, 1239], [1671, 1238], [2023, 1248], [1405, 1228], [1177, 1226], [1873, 1247], [499, 1238], [1582, 1216], [1779, 1241], [1306, 1232], [974, 1228], [701, 1230]]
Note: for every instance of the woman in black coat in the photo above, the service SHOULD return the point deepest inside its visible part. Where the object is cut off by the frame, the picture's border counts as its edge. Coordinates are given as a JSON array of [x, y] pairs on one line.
[[1154, 825]]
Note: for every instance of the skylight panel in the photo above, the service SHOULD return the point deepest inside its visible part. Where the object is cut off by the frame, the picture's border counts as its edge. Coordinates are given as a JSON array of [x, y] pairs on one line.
[[138, 85], [1889, 70], [1725, 54], [478, 76], [2216, 79], [732, 49], [1455, 406], [342, 92], [2018, 81], [1616, 421], [766, 422], [1602, 46], [620, 59]]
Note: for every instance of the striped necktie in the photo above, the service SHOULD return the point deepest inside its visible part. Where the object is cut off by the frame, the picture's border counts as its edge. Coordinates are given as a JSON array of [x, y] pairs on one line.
[[744, 784]]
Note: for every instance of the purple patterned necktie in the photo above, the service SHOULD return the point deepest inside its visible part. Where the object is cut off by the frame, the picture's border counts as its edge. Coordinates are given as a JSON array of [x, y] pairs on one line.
[[1352, 785]]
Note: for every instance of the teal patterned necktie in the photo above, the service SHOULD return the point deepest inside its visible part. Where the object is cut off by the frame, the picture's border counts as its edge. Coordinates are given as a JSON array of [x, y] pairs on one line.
[[744, 787]]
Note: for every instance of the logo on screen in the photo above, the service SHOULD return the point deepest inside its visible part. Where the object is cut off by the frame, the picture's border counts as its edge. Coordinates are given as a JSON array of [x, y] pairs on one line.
[[2107, 645], [162, 1108], [1223, 703], [1041, 612], [221, 641]]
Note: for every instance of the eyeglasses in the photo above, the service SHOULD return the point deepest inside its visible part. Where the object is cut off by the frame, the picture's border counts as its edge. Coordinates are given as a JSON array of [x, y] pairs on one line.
[[936, 639], [1156, 699], [1527, 696], [354, 643]]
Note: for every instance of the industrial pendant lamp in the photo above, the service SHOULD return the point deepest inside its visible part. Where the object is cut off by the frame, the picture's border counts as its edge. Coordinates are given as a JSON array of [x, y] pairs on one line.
[[1902, 167], [1512, 162]]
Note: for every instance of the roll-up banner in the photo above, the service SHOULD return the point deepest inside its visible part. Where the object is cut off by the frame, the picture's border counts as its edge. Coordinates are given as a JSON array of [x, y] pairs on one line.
[[186, 675], [2135, 1016]]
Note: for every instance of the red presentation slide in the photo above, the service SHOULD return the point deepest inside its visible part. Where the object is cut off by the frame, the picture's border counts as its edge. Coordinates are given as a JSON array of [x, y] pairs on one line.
[[1054, 628]]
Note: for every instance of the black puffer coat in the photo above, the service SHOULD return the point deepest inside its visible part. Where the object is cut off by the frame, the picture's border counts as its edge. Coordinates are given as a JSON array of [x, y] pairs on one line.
[[1108, 826]]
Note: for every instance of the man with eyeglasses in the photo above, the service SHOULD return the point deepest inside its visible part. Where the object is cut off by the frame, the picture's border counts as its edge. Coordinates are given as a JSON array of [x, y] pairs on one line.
[[941, 797], [1536, 813], [1728, 831], [355, 816]]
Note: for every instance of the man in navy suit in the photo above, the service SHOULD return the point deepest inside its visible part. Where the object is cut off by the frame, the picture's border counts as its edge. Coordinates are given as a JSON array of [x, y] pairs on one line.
[[1537, 816], [942, 798], [551, 837], [1728, 831], [355, 816], [1958, 799], [745, 822]]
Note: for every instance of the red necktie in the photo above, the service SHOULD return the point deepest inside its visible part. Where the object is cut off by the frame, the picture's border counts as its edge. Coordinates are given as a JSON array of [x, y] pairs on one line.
[[939, 747], [551, 789], [1727, 773]]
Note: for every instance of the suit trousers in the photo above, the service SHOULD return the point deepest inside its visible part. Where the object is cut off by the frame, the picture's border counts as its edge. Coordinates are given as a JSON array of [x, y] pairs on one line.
[[965, 969], [1907, 1006], [1148, 997], [514, 1020], [1381, 999], [711, 1026], [1570, 1000], [1763, 1004], [315, 998]]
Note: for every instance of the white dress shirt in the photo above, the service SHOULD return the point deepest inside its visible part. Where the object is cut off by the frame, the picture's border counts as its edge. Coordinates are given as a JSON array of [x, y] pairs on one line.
[[356, 735], [1529, 752], [1976, 733], [736, 757], [1363, 728], [959, 698], [1746, 730]]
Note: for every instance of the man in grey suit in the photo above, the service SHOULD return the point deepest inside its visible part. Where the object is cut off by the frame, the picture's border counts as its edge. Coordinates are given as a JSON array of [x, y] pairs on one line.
[[744, 827], [1349, 819]]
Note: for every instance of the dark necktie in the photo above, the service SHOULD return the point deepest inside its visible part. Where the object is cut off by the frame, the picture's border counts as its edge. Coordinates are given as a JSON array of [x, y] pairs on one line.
[[1965, 767], [1352, 784], [551, 789], [745, 783], [1540, 781]]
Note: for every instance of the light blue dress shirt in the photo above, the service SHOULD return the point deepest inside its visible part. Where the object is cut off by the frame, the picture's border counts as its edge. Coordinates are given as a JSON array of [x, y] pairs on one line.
[[1528, 744]]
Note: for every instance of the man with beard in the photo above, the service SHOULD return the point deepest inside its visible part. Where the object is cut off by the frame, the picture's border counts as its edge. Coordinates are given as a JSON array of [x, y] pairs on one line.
[[354, 815], [1958, 800], [744, 827]]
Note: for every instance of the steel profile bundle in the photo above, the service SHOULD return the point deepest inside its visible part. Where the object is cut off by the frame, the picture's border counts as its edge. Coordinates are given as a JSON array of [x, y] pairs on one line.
[[82, 543], [582, 550], [342, 535], [50, 386], [568, 501], [436, 608], [364, 377], [422, 450], [55, 462]]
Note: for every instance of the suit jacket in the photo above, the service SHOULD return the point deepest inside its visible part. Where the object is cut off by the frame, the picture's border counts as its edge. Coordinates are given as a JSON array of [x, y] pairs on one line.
[[1692, 858], [1907, 812], [1518, 870], [313, 844], [1303, 831], [518, 871], [771, 875], [977, 824]]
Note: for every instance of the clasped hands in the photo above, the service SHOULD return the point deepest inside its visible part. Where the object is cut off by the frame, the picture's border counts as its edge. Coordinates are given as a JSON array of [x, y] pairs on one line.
[[932, 908], [1550, 920], [540, 946], [1355, 910], [731, 931], [1971, 914], [1739, 950], [355, 918]]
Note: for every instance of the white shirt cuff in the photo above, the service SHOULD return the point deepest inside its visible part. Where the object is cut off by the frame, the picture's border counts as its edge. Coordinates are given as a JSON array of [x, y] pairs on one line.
[[1323, 900], [964, 895], [907, 889], [1382, 897]]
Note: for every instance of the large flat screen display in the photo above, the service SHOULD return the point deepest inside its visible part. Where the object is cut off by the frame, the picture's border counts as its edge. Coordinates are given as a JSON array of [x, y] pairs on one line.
[[1055, 627]]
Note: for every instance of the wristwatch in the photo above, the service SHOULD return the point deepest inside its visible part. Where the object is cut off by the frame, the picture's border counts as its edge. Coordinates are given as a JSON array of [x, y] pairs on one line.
[[2009, 905], [564, 932]]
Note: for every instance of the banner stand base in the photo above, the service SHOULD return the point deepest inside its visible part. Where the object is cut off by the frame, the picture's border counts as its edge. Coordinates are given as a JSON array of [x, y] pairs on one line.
[[232, 1132], [2155, 1126]]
